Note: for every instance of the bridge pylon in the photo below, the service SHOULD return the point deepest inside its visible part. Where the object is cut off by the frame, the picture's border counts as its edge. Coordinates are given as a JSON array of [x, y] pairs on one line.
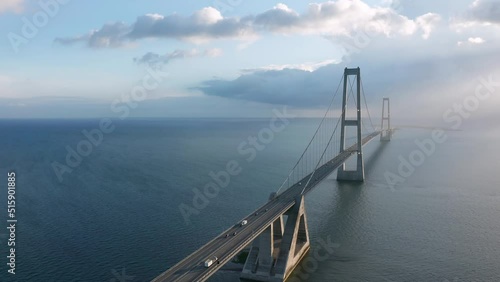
[[386, 133], [276, 252], [359, 173]]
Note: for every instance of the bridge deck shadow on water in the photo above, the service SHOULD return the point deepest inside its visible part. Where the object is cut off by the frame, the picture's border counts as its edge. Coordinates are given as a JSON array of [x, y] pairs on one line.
[[374, 157]]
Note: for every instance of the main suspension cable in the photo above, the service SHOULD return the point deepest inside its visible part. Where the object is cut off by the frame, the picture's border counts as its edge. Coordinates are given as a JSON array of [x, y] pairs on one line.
[[310, 142]]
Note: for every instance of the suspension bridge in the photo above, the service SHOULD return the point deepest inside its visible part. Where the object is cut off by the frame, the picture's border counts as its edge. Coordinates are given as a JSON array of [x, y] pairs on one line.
[[277, 232]]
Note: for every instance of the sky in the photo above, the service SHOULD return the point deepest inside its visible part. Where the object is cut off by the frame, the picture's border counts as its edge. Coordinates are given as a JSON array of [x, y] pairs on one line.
[[240, 58]]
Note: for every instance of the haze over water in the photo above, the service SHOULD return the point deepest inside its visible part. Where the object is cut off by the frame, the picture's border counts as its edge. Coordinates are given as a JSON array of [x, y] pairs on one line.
[[119, 208]]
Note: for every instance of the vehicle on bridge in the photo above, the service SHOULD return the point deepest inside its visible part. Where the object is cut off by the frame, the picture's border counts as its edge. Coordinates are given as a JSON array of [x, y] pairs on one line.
[[244, 222], [211, 261]]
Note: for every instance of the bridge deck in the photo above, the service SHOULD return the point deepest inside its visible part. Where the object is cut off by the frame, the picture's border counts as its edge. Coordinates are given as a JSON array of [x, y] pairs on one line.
[[225, 248]]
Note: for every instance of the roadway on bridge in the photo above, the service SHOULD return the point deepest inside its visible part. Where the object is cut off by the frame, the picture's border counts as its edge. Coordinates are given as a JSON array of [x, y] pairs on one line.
[[225, 248]]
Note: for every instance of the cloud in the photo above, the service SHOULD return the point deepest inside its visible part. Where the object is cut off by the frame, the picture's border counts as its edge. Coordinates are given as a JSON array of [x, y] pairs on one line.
[[280, 18], [310, 67], [342, 17], [436, 79], [294, 87], [11, 5], [332, 18], [202, 26], [476, 40], [485, 11], [110, 35], [427, 23], [472, 41], [479, 13], [155, 60]]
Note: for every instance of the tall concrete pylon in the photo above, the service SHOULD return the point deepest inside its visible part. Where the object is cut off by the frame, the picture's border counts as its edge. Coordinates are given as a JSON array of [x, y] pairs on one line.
[[359, 173], [276, 252], [386, 133]]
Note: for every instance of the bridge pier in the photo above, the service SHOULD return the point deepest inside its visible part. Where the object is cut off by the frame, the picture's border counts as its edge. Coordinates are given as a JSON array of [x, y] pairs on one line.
[[277, 251], [386, 133], [359, 173]]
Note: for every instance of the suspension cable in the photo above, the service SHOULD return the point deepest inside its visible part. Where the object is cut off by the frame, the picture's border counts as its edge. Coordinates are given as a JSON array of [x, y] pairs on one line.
[[310, 142], [366, 104], [329, 141]]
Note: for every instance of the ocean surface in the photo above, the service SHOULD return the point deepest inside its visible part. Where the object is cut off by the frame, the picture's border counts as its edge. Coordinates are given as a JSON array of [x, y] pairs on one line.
[[116, 217]]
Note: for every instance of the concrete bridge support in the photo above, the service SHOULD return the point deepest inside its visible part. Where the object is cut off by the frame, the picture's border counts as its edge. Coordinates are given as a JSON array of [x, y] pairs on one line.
[[277, 251], [386, 133], [359, 173]]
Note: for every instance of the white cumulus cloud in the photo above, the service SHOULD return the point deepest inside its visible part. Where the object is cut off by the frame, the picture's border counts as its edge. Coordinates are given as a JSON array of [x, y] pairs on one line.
[[472, 41], [329, 19], [476, 40]]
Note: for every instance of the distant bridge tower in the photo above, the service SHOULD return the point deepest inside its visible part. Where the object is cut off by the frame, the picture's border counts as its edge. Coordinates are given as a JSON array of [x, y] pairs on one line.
[[359, 173], [386, 133]]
